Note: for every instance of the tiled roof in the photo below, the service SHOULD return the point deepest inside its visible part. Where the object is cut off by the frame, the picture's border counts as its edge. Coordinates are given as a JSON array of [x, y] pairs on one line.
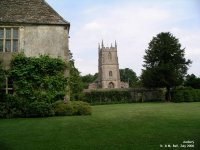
[[29, 11]]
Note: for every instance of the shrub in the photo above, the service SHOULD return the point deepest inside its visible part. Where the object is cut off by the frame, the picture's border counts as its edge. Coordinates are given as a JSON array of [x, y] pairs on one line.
[[71, 108], [63, 109], [81, 108], [186, 95], [40, 109], [9, 107]]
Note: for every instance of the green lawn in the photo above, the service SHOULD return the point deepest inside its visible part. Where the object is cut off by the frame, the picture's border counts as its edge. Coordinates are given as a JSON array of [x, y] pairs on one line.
[[111, 127]]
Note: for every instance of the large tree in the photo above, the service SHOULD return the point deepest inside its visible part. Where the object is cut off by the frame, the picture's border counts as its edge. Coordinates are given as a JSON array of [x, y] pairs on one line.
[[128, 75], [164, 63]]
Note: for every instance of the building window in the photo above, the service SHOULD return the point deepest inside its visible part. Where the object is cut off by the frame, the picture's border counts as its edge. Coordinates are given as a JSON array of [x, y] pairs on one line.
[[109, 55], [7, 86], [110, 73], [9, 39]]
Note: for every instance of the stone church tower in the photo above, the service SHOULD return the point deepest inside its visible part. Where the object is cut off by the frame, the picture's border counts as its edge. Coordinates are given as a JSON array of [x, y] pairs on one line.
[[109, 76]]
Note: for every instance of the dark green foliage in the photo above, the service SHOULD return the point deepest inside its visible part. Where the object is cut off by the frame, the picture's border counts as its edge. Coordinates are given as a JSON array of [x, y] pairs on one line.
[[40, 109], [87, 79], [37, 83], [71, 108], [123, 96], [108, 97], [192, 81], [129, 76], [37, 79], [165, 65], [63, 109], [81, 108], [186, 95], [10, 107], [2, 81]]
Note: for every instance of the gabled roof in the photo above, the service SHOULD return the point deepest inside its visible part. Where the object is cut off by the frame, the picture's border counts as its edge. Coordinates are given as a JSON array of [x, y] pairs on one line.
[[29, 11]]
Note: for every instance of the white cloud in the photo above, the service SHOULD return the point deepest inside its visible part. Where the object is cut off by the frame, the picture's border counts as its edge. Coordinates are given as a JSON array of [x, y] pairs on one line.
[[133, 26]]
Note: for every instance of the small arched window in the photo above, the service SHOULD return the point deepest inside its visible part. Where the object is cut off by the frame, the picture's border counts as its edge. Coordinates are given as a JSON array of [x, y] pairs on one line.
[[110, 73]]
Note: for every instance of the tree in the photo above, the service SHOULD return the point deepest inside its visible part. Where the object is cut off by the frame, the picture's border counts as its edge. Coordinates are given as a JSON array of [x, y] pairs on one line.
[[76, 85], [87, 79], [192, 81], [128, 75], [165, 65]]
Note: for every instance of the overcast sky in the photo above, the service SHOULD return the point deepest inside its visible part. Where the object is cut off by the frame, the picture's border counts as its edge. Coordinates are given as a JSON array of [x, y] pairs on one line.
[[132, 23]]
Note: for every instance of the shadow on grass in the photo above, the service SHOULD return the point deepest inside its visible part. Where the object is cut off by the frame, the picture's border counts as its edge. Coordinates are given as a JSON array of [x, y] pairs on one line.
[[4, 146]]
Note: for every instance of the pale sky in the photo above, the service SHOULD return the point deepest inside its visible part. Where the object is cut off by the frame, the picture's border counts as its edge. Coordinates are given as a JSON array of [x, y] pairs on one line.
[[132, 23]]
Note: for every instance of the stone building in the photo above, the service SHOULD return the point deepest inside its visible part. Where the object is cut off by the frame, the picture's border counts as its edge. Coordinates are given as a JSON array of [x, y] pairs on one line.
[[109, 76], [31, 27]]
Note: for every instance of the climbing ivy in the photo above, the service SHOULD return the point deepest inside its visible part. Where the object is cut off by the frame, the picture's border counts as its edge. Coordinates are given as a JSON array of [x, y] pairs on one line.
[[38, 79], [2, 81]]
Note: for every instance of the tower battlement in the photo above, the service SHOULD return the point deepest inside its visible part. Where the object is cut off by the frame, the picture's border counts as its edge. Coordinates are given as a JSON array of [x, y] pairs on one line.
[[111, 48]]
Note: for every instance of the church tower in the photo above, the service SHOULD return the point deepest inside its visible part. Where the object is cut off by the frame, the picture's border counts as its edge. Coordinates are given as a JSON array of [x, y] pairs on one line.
[[109, 76]]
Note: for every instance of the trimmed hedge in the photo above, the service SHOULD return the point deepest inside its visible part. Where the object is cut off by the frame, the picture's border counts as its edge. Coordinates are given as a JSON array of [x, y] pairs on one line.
[[123, 96], [186, 95], [107, 97]]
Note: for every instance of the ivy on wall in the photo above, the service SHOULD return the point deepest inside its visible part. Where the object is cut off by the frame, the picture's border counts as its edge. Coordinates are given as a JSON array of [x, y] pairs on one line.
[[38, 79]]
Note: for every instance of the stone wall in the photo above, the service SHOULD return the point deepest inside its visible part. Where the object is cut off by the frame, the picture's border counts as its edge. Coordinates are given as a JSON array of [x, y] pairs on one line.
[[44, 40]]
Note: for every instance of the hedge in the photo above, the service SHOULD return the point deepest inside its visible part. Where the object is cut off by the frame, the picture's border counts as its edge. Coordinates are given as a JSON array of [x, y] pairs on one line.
[[186, 95], [123, 96]]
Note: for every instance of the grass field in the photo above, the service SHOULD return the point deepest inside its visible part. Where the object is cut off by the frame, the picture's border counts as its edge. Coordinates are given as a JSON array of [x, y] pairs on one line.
[[111, 127]]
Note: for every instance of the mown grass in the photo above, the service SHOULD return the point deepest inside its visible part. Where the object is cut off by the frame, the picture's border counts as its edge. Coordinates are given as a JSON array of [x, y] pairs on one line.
[[110, 127]]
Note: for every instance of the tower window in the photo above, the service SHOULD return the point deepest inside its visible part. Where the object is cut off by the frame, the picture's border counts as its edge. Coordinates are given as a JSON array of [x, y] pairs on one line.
[[8, 39], [109, 55], [110, 73]]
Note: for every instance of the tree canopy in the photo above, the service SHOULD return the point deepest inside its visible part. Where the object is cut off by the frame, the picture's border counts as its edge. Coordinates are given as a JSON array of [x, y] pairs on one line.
[[128, 75], [192, 81], [89, 78], [164, 63]]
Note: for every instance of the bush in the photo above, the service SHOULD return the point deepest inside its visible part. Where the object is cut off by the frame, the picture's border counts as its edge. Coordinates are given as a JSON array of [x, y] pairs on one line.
[[71, 108], [63, 109], [40, 109], [186, 95], [9, 107], [81, 108]]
